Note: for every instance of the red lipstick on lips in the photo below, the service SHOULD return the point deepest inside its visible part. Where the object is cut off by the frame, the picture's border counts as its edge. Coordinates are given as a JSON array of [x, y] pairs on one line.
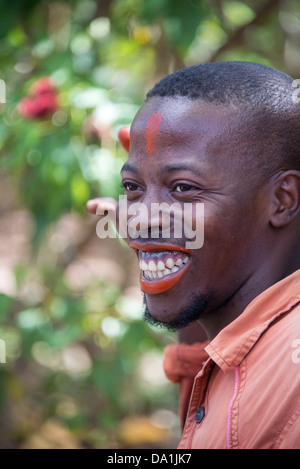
[[161, 285]]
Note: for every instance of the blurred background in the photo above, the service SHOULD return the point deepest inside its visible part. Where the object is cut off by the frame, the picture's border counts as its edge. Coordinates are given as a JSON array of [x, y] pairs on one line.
[[82, 369]]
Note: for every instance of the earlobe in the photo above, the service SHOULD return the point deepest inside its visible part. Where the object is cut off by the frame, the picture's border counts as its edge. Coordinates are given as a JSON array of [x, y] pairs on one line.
[[286, 199], [124, 137]]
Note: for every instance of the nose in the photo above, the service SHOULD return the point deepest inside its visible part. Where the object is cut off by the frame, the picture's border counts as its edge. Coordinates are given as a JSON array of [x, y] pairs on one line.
[[143, 220], [154, 218]]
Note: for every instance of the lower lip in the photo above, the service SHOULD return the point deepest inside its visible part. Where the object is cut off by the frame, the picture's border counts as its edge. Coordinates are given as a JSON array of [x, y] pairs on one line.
[[161, 285]]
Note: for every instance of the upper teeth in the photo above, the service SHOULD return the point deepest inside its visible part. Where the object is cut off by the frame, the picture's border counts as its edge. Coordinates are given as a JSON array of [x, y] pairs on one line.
[[153, 270]]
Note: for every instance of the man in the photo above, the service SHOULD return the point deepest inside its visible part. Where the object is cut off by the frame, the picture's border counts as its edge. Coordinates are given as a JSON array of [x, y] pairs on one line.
[[226, 135]]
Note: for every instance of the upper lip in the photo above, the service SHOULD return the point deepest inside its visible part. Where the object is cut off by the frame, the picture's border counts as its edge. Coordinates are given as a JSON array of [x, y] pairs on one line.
[[152, 247]]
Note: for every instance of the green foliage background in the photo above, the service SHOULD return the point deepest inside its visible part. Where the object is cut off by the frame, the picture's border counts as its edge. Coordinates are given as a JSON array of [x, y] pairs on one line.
[[82, 369]]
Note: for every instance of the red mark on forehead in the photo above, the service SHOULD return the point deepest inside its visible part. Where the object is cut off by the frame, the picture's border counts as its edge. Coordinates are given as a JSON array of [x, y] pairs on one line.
[[152, 128]]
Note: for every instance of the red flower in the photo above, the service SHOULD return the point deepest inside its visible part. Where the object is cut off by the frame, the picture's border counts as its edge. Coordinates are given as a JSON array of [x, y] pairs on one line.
[[43, 85], [42, 101]]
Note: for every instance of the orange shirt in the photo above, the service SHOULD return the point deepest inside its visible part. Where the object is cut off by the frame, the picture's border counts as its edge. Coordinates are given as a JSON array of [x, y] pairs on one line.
[[242, 390]]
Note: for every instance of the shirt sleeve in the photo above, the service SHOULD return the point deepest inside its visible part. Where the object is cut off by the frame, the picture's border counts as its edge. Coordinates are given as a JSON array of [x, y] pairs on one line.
[[182, 362]]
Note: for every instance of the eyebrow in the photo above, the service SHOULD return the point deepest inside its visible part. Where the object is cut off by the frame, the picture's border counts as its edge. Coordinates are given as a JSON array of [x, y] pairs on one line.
[[128, 167], [167, 169], [191, 168]]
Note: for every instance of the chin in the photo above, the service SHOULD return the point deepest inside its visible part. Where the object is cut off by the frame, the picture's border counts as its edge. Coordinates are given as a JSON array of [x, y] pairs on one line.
[[173, 320]]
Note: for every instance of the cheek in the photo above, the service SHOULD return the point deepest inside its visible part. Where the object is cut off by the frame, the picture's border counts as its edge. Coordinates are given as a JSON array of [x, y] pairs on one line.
[[229, 242], [221, 242]]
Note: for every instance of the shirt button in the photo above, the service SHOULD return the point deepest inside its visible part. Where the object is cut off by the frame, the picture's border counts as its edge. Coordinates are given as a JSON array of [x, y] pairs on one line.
[[199, 414]]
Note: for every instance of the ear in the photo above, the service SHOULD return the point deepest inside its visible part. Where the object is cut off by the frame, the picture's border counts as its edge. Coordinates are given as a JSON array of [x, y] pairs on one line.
[[124, 137], [286, 198]]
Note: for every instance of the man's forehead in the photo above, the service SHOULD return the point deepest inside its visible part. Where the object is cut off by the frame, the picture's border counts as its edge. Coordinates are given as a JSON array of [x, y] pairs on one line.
[[181, 114], [177, 129]]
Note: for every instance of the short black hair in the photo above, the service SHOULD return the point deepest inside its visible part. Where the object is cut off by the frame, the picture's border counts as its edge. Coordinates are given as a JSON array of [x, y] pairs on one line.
[[265, 98]]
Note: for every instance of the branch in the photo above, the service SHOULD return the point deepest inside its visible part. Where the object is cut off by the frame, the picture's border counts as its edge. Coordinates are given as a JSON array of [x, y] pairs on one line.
[[237, 37]]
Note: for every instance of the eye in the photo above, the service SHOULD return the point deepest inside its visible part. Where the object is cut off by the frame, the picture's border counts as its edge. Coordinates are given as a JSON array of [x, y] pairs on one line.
[[183, 187], [130, 186]]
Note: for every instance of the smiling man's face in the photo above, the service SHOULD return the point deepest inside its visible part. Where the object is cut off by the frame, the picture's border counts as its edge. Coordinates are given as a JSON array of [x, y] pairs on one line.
[[176, 156]]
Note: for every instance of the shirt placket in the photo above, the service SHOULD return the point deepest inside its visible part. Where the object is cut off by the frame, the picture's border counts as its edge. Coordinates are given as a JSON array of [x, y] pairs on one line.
[[196, 411]]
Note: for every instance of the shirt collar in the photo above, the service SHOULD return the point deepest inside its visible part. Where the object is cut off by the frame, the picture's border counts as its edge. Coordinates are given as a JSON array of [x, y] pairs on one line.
[[232, 344]]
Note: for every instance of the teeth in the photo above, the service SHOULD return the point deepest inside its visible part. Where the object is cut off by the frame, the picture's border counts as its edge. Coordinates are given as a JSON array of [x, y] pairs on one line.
[[159, 270], [152, 266], [170, 263]]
